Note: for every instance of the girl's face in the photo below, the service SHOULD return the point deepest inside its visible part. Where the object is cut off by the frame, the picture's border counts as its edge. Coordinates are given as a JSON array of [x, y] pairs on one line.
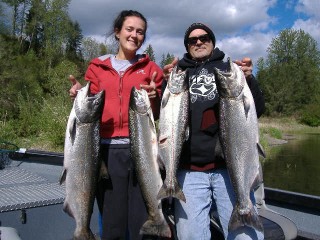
[[131, 35]]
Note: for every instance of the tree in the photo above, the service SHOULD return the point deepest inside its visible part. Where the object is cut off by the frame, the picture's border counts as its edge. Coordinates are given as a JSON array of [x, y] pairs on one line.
[[73, 48], [149, 51], [166, 60], [90, 48], [290, 76], [34, 29], [4, 26]]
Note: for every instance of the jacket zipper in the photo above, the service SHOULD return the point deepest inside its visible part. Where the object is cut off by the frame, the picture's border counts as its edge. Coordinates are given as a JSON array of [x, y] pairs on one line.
[[120, 94], [120, 98]]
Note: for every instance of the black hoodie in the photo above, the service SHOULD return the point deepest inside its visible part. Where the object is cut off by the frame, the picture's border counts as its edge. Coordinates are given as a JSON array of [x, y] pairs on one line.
[[201, 151]]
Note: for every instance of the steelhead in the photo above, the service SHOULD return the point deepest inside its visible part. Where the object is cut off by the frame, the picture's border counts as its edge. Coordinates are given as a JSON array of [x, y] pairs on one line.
[[82, 161], [239, 137], [173, 131], [144, 152]]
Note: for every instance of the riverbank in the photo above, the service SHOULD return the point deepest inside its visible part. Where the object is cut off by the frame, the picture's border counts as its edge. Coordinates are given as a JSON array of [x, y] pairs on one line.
[[287, 125], [275, 131]]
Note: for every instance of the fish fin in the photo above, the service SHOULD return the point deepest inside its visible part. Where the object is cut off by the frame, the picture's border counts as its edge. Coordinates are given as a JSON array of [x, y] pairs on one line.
[[261, 150], [174, 190], [246, 105], [160, 163], [162, 139], [103, 171], [62, 178], [72, 130], [187, 134], [66, 208], [154, 228], [248, 218], [165, 98], [258, 180]]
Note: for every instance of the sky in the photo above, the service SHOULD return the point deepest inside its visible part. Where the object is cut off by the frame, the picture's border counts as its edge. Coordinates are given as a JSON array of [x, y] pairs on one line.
[[243, 28]]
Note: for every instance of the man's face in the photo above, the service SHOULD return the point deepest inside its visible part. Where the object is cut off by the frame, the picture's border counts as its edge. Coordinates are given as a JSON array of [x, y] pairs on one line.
[[200, 45]]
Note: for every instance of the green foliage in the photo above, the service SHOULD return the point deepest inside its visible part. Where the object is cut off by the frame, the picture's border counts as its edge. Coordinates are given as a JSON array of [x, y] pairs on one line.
[[311, 115], [91, 48], [4, 28], [53, 120], [272, 132], [149, 51], [290, 76], [166, 59], [275, 133], [43, 48]]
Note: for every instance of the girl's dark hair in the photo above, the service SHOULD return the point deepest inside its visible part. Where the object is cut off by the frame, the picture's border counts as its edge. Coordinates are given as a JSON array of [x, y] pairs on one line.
[[118, 22]]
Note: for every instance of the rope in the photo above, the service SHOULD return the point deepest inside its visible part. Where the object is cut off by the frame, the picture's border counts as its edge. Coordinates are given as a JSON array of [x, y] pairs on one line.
[[7, 147]]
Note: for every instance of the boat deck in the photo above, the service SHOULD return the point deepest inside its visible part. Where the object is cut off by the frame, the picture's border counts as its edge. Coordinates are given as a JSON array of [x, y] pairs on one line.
[[31, 202], [22, 189]]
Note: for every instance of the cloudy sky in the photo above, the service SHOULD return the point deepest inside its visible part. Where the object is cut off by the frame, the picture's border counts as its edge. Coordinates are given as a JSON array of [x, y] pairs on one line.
[[242, 27]]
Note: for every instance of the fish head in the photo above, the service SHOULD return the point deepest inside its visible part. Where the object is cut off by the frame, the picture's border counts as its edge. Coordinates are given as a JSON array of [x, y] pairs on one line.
[[88, 107], [139, 101], [176, 81], [230, 83]]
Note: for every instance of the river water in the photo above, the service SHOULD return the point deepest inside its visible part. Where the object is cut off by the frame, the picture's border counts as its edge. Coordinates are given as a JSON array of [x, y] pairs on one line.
[[294, 166]]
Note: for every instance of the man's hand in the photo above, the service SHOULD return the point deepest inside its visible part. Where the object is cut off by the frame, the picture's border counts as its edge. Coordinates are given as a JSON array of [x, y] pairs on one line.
[[246, 66], [167, 69]]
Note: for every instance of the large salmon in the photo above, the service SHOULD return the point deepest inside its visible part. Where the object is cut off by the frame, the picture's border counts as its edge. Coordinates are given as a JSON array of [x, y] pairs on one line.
[[144, 152], [82, 162], [239, 136], [173, 131]]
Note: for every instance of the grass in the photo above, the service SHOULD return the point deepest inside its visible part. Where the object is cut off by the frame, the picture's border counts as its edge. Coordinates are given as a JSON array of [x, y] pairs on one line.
[[274, 129], [284, 125]]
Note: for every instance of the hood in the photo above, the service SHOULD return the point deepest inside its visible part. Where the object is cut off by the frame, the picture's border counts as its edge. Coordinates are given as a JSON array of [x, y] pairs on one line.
[[105, 59], [188, 62]]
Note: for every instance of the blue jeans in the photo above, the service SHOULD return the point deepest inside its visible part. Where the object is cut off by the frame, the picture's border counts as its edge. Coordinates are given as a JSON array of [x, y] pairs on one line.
[[203, 190]]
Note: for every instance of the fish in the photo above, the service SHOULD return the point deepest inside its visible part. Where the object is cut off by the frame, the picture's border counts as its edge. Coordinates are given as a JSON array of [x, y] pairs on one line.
[[239, 138], [144, 152], [173, 131], [82, 165]]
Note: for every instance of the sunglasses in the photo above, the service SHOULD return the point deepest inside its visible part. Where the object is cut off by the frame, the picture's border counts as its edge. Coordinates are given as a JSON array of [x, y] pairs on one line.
[[203, 38]]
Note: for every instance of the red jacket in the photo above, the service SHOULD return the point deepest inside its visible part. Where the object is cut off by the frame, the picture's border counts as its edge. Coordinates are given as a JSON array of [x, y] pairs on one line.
[[115, 119]]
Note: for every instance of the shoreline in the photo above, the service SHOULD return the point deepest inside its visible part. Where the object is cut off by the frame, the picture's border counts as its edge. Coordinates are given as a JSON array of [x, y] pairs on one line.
[[286, 128]]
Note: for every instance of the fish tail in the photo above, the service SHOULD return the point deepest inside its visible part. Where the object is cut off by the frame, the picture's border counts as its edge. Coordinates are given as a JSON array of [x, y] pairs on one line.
[[163, 192], [172, 190], [248, 218], [154, 228], [66, 208]]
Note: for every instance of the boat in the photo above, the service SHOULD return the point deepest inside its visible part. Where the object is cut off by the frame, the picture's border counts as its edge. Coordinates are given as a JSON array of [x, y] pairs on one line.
[[31, 204]]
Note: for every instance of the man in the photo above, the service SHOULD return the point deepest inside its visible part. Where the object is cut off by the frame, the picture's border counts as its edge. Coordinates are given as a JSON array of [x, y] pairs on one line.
[[202, 172]]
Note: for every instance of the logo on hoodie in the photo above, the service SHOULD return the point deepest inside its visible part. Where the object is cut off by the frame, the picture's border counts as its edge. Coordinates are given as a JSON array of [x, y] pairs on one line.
[[202, 86], [141, 71]]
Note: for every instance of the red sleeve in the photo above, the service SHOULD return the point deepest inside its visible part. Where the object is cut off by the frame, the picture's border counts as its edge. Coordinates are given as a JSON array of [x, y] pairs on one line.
[[91, 76]]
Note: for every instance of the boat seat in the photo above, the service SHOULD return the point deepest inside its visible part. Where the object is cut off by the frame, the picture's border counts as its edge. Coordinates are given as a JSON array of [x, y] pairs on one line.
[[288, 227], [9, 233], [276, 226]]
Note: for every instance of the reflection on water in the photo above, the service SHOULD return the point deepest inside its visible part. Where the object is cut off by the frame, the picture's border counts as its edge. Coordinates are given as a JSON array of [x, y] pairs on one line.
[[295, 166]]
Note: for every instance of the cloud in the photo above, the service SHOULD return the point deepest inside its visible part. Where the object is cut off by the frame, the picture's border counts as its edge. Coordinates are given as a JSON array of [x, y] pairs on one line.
[[242, 28], [311, 23], [253, 45], [309, 7], [310, 26]]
